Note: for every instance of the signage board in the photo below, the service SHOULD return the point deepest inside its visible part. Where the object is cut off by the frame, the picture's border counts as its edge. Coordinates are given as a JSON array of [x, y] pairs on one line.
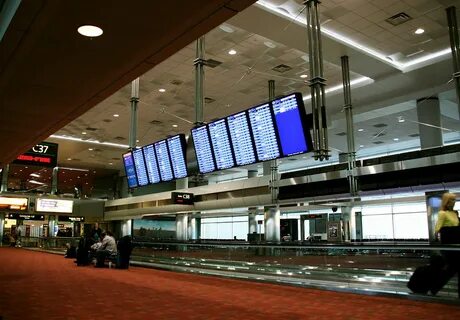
[[182, 197], [11, 203], [71, 219], [43, 154], [21, 216], [54, 205]]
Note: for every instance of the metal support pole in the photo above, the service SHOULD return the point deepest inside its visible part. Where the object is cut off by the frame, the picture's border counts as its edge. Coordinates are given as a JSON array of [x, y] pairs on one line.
[[199, 63], [350, 128], [273, 163], [54, 180], [455, 47], [5, 172], [134, 101], [317, 82]]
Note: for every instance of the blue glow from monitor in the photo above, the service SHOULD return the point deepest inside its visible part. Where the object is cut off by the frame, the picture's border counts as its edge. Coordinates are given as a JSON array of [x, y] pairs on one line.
[[151, 164], [176, 145], [130, 170], [240, 135], [289, 124], [221, 144], [139, 165], [203, 149], [263, 131], [164, 164]]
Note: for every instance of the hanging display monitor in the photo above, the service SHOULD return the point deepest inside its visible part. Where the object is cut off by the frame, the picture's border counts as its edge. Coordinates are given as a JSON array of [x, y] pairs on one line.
[[290, 117], [54, 205], [139, 165], [130, 170], [177, 147], [263, 131], [240, 135], [164, 163], [221, 144], [151, 164], [203, 150]]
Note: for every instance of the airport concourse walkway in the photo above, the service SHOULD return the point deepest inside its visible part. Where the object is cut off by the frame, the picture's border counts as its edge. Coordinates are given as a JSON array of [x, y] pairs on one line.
[[37, 285]]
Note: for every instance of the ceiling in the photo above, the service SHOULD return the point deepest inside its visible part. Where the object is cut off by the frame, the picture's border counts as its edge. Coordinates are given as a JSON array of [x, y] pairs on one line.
[[391, 67]]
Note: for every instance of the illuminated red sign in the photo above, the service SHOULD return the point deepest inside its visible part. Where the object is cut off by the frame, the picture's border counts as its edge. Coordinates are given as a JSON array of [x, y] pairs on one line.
[[34, 159], [43, 154]]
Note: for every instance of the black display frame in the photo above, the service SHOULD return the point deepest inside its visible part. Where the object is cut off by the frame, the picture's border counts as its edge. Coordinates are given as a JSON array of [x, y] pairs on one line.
[[169, 158], [245, 112], [183, 144], [229, 142], [126, 172], [210, 147]]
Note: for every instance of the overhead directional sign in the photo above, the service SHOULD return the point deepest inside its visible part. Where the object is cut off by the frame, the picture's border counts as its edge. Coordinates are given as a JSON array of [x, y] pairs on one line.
[[43, 154]]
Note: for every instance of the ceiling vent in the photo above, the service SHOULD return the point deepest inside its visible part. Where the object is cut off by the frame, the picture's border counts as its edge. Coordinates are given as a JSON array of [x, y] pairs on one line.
[[212, 63], [177, 82], [380, 125], [281, 68], [414, 135], [341, 134], [119, 138], [398, 19], [91, 129], [377, 142], [209, 100], [107, 120], [155, 122]]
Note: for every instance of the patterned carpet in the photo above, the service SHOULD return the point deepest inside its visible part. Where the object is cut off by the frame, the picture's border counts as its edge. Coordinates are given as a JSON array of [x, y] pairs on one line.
[[37, 285]]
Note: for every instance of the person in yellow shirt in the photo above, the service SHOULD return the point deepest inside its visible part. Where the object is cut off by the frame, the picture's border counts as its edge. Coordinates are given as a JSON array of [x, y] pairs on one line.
[[448, 218]]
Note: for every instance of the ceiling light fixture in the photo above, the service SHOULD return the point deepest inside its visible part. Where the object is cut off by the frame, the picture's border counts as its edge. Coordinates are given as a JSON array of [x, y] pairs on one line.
[[90, 31], [303, 76], [174, 125], [116, 115], [232, 52], [360, 130], [270, 44], [111, 144], [162, 90], [361, 80], [36, 175], [396, 139], [419, 31], [83, 132], [69, 159], [90, 149], [226, 28], [401, 119]]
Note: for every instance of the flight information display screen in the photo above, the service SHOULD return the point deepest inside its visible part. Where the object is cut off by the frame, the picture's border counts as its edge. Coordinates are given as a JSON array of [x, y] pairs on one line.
[[203, 150], [221, 144], [288, 116], [176, 145], [240, 135], [139, 165], [130, 170], [263, 131], [151, 164], [164, 164]]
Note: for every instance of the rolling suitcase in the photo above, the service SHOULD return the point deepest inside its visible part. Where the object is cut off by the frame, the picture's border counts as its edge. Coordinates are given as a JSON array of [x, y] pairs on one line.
[[426, 277]]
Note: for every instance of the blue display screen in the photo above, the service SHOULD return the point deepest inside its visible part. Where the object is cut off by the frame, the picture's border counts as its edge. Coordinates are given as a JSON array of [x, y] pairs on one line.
[[221, 144], [130, 170], [203, 149], [240, 135], [289, 123], [176, 145], [164, 164], [263, 131], [151, 164], [139, 165]]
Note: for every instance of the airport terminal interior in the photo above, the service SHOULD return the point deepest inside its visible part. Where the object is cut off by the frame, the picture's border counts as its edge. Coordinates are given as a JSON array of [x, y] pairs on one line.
[[259, 159]]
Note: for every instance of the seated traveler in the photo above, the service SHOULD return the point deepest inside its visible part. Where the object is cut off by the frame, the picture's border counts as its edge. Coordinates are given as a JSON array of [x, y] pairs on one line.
[[108, 247]]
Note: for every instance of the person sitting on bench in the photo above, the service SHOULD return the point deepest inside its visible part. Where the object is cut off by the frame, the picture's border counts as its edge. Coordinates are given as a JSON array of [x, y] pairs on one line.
[[108, 248]]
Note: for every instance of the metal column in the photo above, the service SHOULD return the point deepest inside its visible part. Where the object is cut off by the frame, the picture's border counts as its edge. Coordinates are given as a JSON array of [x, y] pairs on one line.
[[2, 226], [455, 47], [199, 63], [429, 122], [5, 172], [194, 226], [181, 227], [317, 82], [134, 101], [51, 226], [54, 180], [351, 155], [272, 225]]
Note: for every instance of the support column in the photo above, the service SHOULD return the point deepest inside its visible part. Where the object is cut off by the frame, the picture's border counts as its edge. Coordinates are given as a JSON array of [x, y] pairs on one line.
[[455, 47], [133, 125], [351, 155], [317, 82], [429, 118], [346, 222], [126, 227], [252, 211], [2, 226], [199, 63], [52, 222], [272, 225], [182, 227], [54, 180], [194, 226], [5, 172]]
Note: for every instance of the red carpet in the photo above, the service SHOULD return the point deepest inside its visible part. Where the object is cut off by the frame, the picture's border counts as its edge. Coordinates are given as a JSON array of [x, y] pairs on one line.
[[37, 285]]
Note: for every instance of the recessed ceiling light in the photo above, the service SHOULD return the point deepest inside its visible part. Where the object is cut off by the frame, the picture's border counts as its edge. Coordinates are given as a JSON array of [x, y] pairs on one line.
[[162, 90], [232, 52], [226, 28], [360, 130], [69, 159], [269, 44], [361, 145], [116, 115], [90, 31], [110, 163], [396, 139], [303, 76], [90, 149], [419, 31], [174, 125], [137, 140], [401, 119], [83, 132]]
